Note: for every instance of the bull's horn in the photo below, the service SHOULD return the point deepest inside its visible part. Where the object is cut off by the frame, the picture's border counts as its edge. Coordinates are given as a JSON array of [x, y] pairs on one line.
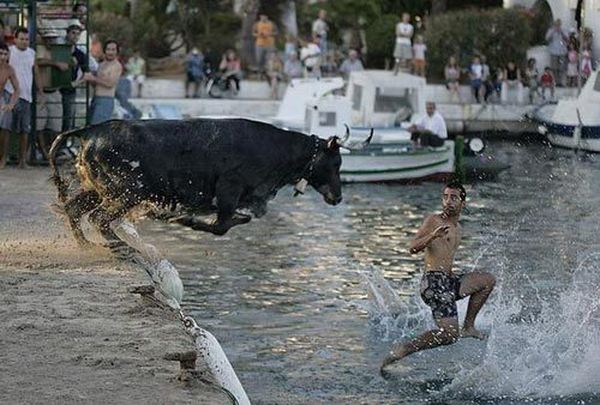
[[343, 141], [361, 145], [367, 141]]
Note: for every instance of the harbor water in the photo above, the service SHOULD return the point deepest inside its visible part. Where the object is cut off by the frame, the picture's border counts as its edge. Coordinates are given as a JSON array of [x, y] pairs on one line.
[[307, 300]]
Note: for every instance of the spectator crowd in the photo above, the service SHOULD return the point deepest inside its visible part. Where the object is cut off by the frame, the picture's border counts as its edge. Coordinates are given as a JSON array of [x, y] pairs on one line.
[[67, 59]]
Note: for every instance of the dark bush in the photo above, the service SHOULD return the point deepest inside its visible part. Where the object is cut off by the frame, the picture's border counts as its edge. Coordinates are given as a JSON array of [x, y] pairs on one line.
[[502, 35], [381, 37], [108, 25]]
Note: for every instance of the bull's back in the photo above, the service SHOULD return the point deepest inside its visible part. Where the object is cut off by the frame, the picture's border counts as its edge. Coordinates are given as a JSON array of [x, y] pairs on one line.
[[170, 157]]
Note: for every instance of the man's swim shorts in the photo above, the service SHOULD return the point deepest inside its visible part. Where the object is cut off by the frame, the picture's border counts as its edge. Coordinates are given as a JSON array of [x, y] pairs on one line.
[[440, 290]]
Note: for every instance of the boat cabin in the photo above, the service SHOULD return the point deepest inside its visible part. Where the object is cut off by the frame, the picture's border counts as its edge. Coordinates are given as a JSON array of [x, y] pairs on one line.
[[381, 99]]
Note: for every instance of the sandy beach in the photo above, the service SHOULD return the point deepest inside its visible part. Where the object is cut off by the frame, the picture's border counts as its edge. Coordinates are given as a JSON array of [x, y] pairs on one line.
[[72, 333]]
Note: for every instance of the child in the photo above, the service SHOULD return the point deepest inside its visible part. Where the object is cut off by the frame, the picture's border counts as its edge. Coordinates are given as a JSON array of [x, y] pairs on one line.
[[419, 49], [586, 65], [547, 81], [572, 67]]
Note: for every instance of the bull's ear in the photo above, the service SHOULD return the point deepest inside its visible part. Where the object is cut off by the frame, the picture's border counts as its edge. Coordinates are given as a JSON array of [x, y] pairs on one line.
[[333, 144]]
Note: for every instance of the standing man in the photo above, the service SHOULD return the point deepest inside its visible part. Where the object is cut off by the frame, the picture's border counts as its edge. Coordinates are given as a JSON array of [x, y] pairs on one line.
[[22, 59], [264, 31], [429, 130], [136, 72], [49, 115], [439, 237], [557, 46], [194, 69], [403, 49], [320, 29], [77, 62], [105, 81], [7, 102]]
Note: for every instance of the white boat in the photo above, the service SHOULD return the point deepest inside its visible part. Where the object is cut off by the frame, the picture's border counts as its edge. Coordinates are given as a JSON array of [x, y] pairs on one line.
[[573, 123], [375, 99]]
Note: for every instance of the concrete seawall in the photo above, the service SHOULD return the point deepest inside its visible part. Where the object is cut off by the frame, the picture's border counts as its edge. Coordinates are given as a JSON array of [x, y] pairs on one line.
[[253, 101]]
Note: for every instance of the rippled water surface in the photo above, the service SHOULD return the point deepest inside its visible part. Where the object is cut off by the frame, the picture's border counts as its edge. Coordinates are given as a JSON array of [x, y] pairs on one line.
[[307, 300]]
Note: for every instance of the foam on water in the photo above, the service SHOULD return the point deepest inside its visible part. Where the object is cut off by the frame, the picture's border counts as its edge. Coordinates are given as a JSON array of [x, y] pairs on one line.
[[555, 353]]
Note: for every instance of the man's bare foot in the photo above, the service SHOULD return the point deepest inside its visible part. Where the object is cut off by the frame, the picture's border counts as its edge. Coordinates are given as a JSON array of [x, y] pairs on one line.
[[23, 165], [473, 333], [394, 356]]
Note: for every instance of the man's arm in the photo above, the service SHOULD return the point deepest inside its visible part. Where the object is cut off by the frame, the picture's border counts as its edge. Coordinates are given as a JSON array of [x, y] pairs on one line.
[[427, 233], [37, 79], [14, 97], [43, 62]]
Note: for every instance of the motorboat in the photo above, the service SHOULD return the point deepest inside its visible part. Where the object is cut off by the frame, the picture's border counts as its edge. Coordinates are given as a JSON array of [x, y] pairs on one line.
[[374, 100], [573, 123]]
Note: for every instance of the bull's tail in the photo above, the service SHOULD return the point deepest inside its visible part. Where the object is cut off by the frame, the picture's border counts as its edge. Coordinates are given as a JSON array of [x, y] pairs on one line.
[[58, 143]]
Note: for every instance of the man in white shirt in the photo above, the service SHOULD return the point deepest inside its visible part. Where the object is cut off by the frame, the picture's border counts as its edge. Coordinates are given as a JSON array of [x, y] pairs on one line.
[[310, 56], [429, 130], [403, 49], [352, 64], [476, 75], [18, 121], [320, 28]]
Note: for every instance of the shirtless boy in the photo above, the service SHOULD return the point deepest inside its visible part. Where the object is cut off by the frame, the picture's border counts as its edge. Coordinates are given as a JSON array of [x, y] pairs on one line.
[[7, 101], [439, 237]]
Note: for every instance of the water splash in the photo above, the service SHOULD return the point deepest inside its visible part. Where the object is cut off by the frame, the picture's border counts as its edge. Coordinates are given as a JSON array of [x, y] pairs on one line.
[[394, 316], [553, 353]]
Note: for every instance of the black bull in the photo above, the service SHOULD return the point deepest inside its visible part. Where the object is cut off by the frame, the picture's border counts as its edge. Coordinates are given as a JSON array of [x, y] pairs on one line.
[[192, 168]]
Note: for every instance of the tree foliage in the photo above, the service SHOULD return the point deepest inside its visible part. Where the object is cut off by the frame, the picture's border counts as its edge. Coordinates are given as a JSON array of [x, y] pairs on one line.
[[159, 27], [501, 35]]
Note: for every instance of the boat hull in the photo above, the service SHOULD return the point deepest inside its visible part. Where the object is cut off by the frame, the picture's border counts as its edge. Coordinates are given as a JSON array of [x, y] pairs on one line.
[[397, 163], [563, 136]]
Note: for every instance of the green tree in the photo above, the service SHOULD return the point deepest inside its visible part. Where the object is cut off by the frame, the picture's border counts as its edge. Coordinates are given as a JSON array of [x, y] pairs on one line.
[[501, 35], [160, 27]]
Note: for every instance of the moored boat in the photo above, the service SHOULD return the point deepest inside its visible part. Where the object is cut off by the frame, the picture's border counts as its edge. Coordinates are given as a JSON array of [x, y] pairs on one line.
[[573, 123]]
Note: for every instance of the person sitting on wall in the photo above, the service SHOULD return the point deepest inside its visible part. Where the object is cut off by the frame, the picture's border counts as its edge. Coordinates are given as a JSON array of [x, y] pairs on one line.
[[429, 130]]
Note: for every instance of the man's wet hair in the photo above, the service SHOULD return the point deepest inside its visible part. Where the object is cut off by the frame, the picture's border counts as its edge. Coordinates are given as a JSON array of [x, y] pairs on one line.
[[457, 185]]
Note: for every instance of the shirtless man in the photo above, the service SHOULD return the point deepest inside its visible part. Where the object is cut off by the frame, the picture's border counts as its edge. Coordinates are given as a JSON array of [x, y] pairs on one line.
[[439, 237], [7, 101]]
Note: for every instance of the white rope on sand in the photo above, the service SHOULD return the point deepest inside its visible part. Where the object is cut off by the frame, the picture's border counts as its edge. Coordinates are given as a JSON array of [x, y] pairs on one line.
[[167, 282]]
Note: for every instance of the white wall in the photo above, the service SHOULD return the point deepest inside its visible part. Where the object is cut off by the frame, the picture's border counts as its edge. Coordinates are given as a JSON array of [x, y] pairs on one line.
[[565, 10], [592, 20]]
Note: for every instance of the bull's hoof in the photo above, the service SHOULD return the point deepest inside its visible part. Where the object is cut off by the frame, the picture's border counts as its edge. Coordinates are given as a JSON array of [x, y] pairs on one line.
[[121, 250]]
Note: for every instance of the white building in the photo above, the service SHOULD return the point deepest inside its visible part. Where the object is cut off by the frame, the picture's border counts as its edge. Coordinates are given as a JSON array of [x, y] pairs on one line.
[[565, 10]]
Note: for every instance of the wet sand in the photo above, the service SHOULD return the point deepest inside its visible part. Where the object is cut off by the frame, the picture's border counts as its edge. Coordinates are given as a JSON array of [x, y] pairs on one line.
[[71, 332]]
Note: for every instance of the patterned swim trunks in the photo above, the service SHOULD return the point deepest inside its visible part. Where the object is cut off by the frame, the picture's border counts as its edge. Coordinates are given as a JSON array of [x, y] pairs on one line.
[[440, 290]]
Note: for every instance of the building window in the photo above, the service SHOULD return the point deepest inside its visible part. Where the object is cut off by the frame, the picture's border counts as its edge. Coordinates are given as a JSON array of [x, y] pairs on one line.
[[327, 119]]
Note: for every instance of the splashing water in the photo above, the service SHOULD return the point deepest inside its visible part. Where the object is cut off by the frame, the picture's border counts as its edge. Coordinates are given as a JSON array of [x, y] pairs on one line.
[[393, 316], [553, 354]]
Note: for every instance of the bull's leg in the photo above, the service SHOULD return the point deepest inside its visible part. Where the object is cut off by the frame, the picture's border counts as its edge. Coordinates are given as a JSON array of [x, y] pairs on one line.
[[228, 195], [102, 217], [75, 208]]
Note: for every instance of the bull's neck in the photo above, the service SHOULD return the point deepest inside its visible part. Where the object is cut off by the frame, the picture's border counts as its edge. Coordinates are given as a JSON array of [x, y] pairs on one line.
[[304, 160]]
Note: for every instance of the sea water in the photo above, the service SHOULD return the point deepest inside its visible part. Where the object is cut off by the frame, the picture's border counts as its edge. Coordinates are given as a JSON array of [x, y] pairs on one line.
[[309, 299]]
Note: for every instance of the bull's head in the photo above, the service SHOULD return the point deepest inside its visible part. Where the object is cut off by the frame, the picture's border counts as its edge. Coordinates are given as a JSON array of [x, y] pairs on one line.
[[325, 176]]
